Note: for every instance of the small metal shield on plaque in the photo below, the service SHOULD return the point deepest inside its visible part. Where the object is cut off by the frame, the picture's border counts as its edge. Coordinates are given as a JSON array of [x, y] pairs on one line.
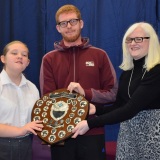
[[59, 111]]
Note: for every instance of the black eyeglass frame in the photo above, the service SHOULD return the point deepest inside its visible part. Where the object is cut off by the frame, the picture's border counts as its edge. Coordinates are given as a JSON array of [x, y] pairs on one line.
[[70, 22], [134, 39]]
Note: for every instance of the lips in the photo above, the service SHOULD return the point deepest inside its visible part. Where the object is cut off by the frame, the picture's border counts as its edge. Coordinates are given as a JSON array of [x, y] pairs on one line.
[[134, 48], [19, 62], [70, 32]]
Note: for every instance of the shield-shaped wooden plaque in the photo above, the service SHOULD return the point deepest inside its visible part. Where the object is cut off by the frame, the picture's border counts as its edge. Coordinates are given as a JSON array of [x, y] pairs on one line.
[[59, 111]]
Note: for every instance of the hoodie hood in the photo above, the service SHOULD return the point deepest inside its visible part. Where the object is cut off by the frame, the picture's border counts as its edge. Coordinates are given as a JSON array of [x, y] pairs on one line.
[[59, 45]]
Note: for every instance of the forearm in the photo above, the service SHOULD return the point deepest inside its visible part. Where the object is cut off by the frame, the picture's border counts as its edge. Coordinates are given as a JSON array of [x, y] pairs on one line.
[[104, 96], [10, 131], [107, 92]]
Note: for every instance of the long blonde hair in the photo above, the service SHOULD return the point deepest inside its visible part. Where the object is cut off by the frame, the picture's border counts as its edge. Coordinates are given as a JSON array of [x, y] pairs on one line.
[[153, 56]]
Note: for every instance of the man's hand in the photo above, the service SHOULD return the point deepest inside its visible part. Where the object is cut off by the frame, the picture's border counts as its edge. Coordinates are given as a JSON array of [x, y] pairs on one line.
[[92, 109], [73, 86]]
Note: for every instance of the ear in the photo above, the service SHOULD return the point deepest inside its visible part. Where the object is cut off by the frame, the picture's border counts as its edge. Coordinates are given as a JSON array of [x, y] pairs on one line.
[[2, 59], [81, 23], [58, 28], [28, 63]]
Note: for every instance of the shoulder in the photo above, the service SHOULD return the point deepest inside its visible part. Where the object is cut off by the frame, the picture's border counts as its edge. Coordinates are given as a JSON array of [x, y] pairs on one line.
[[125, 74], [50, 54], [98, 53], [153, 75], [32, 86], [155, 68], [33, 90], [154, 71], [96, 49]]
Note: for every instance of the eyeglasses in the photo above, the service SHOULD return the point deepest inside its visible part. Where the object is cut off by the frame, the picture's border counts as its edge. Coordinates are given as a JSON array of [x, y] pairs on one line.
[[72, 22], [136, 39]]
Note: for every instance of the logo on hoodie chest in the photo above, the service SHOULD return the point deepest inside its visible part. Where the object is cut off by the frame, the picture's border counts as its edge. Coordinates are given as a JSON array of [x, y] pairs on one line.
[[90, 63]]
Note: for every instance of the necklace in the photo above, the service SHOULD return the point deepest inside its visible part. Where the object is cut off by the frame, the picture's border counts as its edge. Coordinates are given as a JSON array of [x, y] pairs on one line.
[[131, 79]]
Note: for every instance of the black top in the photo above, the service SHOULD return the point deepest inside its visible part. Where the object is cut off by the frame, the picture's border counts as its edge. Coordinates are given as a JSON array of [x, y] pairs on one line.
[[144, 90]]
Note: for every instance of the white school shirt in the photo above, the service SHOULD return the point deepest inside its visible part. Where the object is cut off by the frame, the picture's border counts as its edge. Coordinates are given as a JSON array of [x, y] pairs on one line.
[[16, 102]]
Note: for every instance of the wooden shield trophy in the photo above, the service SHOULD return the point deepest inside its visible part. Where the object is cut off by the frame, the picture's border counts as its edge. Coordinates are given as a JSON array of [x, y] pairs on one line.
[[59, 111]]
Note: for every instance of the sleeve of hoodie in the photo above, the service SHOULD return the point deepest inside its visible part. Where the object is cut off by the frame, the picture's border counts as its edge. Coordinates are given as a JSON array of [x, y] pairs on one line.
[[108, 82], [47, 83]]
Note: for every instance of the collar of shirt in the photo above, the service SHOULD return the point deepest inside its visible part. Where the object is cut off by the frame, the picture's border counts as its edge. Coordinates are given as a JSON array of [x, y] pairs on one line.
[[6, 80]]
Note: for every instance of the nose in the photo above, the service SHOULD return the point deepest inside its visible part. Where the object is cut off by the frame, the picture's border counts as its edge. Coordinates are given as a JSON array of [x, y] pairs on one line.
[[68, 24], [133, 42], [19, 55]]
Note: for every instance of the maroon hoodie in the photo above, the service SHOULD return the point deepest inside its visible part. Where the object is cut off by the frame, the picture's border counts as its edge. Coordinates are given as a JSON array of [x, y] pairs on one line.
[[87, 65]]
